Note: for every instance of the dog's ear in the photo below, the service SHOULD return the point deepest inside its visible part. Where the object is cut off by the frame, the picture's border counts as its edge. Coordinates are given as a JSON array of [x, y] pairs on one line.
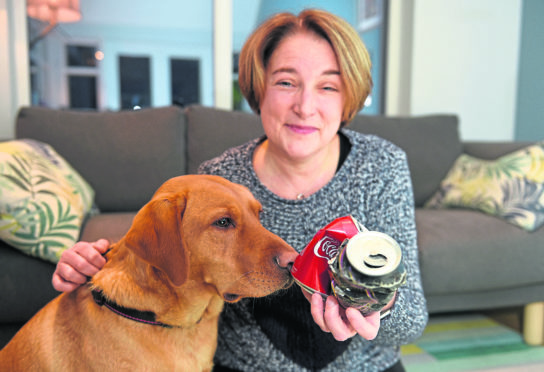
[[155, 237]]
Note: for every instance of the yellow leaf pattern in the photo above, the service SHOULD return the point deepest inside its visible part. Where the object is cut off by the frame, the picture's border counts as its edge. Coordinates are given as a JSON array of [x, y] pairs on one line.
[[510, 187], [43, 200]]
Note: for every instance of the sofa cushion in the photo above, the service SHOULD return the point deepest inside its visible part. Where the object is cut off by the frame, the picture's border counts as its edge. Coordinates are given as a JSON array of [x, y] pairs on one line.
[[510, 187], [43, 200], [219, 130], [26, 284], [125, 155], [431, 144], [492, 150], [110, 226], [463, 251]]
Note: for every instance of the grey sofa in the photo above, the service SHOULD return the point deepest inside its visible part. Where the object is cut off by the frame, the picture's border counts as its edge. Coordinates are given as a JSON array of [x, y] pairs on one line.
[[469, 260]]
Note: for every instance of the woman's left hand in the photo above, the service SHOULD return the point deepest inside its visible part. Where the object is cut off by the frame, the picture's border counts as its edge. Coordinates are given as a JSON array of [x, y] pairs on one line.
[[342, 323]]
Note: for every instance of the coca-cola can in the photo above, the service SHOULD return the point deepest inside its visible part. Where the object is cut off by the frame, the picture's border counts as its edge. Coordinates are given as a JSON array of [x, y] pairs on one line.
[[311, 268], [361, 268], [367, 271]]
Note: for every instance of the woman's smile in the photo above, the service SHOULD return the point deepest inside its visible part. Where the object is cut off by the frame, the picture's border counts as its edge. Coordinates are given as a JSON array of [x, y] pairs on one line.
[[301, 129]]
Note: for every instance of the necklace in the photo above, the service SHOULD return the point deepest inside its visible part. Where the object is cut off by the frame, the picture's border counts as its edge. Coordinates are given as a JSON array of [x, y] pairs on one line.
[[307, 192], [315, 186]]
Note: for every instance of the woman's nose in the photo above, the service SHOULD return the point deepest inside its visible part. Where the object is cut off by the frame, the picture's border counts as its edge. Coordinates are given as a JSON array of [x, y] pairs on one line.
[[305, 103]]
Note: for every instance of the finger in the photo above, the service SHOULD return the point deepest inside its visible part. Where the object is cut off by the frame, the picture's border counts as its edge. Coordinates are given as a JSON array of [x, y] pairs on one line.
[[366, 326], [101, 245], [72, 266], [61, 285], [336, 321], [307, 295], [91, 253], [83, 257], [68, 274], [317, 311]]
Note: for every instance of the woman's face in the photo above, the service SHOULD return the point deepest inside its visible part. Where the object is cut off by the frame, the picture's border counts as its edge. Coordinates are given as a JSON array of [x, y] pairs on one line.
[[302, 106]]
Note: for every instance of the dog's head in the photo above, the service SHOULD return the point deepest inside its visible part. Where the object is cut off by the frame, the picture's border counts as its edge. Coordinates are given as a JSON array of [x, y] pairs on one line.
[[207, 229]]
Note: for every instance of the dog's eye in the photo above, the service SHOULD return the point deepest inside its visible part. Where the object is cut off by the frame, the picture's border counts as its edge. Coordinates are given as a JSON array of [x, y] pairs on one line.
[[224, 222]]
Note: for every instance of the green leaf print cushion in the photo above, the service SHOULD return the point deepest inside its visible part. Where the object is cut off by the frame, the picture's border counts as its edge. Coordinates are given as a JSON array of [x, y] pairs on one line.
[[510, 187], [43, 200]]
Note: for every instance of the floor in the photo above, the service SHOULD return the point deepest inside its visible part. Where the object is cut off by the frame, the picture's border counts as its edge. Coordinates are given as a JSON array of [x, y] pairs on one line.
[[509, 317], [513, 318]]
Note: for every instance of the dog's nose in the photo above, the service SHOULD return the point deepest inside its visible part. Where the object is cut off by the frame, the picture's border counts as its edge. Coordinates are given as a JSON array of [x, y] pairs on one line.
[[290, 266], [286, 260]]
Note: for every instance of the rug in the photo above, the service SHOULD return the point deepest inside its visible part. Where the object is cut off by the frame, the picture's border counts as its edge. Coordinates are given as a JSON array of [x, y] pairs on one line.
[[470, 343]]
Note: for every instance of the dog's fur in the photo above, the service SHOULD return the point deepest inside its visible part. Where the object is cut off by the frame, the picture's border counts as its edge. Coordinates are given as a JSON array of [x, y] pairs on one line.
[[196, 244]]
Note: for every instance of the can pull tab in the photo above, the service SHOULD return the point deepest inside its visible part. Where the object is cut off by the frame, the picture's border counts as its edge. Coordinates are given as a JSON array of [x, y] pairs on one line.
[[373, 253], [375, 261]]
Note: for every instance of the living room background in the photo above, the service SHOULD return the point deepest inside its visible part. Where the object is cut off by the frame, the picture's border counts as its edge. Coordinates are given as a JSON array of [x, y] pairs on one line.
[[468, 58]]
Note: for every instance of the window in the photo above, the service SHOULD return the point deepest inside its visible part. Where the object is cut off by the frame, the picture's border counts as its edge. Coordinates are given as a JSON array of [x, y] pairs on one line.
[[185, 74], [81, 56], [372, 23], [82, 75], [82, 92], [135, 82]]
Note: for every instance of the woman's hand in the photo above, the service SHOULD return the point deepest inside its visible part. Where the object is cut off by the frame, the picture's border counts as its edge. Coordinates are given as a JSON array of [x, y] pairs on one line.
[[79, 263], [342, 323]]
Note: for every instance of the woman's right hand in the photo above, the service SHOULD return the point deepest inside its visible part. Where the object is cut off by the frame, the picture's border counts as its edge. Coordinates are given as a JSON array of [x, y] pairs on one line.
[[79, 263]]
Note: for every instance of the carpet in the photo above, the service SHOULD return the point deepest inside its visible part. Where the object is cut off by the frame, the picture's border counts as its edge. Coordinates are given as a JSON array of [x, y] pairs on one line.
[[470, 342]]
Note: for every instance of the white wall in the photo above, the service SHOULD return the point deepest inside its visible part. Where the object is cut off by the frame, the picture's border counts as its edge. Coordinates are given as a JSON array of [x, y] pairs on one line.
[[464, 60]]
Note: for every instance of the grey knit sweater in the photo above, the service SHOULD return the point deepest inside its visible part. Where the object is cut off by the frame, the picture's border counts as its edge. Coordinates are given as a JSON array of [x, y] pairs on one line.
[[278, 333]]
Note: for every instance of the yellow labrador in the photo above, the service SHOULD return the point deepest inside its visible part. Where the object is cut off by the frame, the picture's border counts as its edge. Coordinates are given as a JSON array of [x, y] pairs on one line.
[[155, 305]]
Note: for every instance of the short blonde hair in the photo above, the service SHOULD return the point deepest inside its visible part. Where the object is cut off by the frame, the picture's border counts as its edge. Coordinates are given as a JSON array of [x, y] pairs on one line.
[[351, 54]]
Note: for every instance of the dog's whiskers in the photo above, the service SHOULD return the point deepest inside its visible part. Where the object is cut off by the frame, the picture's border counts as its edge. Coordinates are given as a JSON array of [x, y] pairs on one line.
[[243, 276]]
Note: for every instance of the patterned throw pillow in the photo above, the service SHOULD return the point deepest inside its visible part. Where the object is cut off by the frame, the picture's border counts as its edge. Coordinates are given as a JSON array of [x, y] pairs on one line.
[[43, 200], [510, 187]]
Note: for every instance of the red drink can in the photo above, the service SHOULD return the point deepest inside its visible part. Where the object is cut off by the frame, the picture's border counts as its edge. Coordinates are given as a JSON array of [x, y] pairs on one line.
[[361, 268], [310, 269]]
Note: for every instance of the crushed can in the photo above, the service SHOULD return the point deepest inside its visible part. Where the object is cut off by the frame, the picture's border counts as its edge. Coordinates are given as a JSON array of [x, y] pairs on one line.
[[361, 268]]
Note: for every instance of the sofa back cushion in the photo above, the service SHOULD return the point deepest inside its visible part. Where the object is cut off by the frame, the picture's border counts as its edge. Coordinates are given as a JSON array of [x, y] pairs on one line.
[[431, 144], [211, 131], [125, 155], [491, 150]]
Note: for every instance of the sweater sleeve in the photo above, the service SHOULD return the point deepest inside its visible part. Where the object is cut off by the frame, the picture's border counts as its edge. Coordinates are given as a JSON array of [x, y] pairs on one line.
[[390, 209]]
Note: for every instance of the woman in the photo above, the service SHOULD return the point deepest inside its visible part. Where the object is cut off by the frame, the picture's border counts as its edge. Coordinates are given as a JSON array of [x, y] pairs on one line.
[[307, 76]]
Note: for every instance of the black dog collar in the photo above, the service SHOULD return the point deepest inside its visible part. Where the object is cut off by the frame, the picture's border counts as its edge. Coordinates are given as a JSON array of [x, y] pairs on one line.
[[147, 317]]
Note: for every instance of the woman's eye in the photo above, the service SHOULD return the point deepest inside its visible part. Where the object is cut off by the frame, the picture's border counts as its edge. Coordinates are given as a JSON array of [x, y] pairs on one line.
[[284, 84], [224, 222]]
